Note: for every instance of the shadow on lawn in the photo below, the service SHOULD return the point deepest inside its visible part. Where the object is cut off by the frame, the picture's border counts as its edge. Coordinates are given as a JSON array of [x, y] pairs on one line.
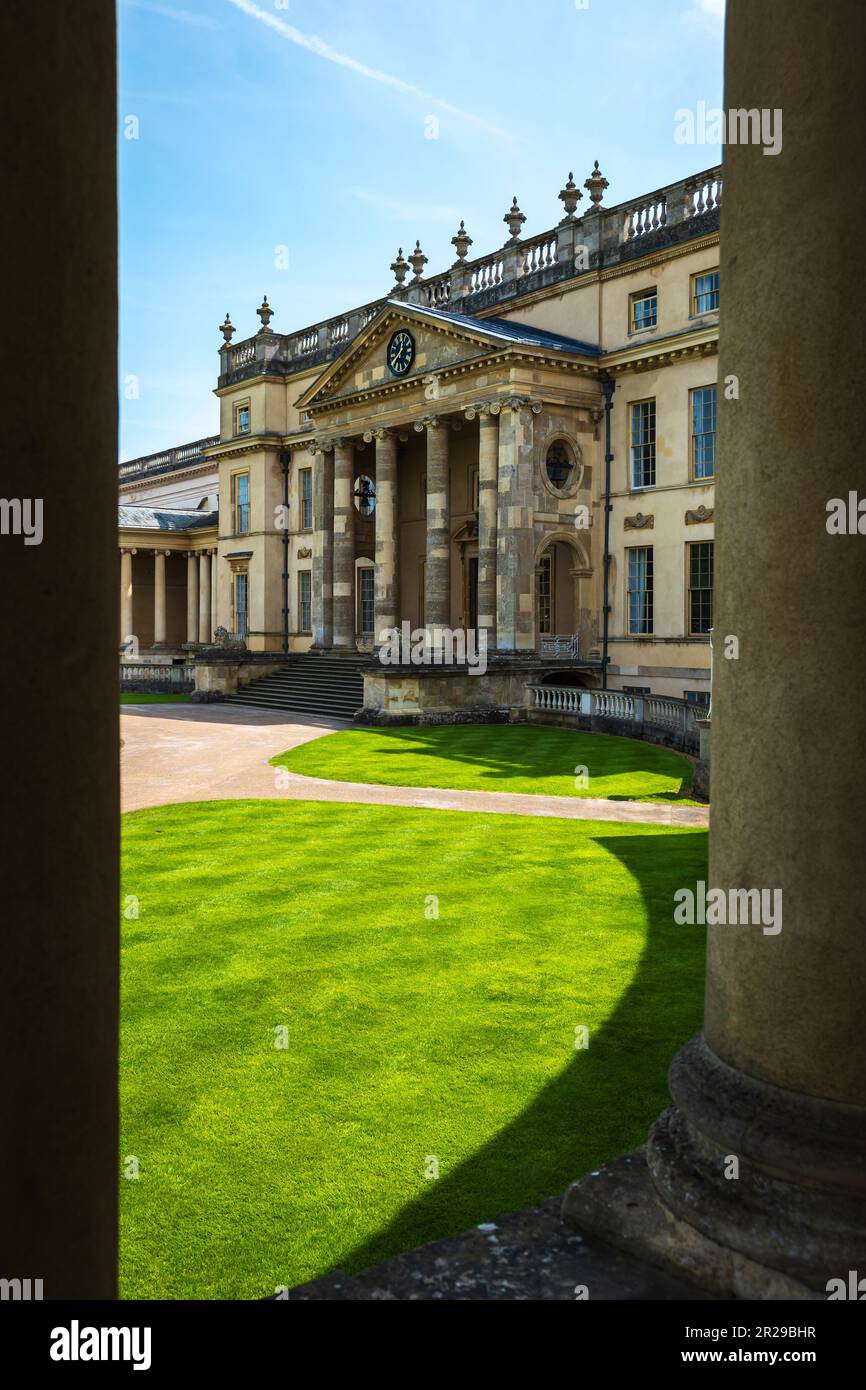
[[534, 750], [604, 1101]]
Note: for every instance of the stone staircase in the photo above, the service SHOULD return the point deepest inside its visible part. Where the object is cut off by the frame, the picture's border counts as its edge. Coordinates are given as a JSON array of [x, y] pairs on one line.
[[313, 683]]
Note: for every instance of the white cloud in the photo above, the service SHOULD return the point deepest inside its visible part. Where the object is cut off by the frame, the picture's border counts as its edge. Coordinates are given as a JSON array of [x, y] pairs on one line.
[[313, 44], [709, 13], [201, 21]]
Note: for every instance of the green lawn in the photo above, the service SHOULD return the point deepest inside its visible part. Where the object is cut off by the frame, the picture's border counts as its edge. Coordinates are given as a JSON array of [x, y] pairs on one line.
[[127, 699], [497, 758], [409, 1038]]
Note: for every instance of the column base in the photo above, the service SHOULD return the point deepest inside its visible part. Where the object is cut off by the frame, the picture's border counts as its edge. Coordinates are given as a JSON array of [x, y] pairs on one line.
[[754, 1191]]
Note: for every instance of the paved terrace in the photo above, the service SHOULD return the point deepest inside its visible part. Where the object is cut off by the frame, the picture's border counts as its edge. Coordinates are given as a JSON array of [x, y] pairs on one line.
[[177, 753]]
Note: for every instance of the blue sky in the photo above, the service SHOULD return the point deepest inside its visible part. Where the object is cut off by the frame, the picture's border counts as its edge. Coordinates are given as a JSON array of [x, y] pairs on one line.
[[305, 124]]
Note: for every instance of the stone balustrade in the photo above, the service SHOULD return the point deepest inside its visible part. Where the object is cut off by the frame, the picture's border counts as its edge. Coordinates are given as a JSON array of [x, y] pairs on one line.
[[169, 458], [658, 718], [577, 245]]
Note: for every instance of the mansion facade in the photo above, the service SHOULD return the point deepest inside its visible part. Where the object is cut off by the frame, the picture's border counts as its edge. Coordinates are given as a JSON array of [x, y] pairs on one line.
[[523, 445]]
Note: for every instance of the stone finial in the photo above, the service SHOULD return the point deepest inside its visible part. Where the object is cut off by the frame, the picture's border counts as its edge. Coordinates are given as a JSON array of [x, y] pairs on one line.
[[418, 260], [400, 267], [596, 183], [461, 242], [265, 313], [227, 328], [570, 196], [515, 220]]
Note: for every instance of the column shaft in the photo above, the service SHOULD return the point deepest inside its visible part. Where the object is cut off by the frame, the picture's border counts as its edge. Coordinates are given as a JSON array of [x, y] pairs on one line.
[[191, 597], [488, 459], [387, 545], [515, 560], [344, 545], [126, 595], [159, 598], [204, 597], [438, 572], [322, 584], [214, 594]]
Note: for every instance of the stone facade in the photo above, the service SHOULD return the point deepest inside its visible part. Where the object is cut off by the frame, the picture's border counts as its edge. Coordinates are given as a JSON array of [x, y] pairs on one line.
[[465, 486]]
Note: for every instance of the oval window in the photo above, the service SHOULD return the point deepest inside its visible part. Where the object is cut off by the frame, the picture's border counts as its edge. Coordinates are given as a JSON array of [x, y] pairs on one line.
[[560, 465]]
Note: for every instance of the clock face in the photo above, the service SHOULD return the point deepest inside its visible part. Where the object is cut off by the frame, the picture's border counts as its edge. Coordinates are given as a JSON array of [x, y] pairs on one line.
[[401, 352]]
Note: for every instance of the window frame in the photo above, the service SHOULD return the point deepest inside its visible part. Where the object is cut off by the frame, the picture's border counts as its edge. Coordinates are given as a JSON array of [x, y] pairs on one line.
[[305, 475], [573, 481], [238, 407], [238, 576], [361, 572], [237, 506], [639, 297], [648, 590], [694, 311], [305, 602], [691, 630], [705, 434], [645, 444], [546, 564]]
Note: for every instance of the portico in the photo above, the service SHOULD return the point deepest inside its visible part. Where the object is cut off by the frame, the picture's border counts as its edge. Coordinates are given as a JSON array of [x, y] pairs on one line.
[[167, 579], [457, 450]]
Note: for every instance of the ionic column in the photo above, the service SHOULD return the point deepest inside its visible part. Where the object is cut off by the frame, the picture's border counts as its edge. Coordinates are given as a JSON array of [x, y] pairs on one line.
[[126, 594], [344, 544], [488, 459], [191, 596], [438, 572], [213, 594], [387, 549], [159, 598], [322, 585], [515, 547], [204, 598]]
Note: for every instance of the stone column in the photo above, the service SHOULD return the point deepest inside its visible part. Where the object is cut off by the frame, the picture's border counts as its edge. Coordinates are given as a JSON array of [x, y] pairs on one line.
[[214, 594], [322, 585], [159, 598], [191, 596], [515, 548], [204, 597], [344, 545], [126, 594], [757, 1175], [387, 546], [438, 570], [488, 458]]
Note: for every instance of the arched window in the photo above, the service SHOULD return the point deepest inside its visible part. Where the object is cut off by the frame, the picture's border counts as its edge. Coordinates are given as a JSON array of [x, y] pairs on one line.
[[560, 465]]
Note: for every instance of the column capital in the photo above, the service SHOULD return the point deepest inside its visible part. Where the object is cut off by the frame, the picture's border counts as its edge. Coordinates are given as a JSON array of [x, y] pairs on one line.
[[483, 410], [159, 552], [128, 550], [517, 403], [321, 446], [427, 422], [378, 435]]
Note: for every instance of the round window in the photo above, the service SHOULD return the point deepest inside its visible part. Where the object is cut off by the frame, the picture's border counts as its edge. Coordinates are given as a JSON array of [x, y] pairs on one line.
[[365, 495], [560, 465]]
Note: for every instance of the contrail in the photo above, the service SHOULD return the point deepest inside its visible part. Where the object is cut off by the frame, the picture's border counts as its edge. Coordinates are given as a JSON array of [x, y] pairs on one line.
[[313, 44]]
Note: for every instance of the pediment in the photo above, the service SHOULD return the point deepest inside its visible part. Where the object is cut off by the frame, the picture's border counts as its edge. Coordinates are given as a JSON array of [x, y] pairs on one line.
[[363, 366]]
